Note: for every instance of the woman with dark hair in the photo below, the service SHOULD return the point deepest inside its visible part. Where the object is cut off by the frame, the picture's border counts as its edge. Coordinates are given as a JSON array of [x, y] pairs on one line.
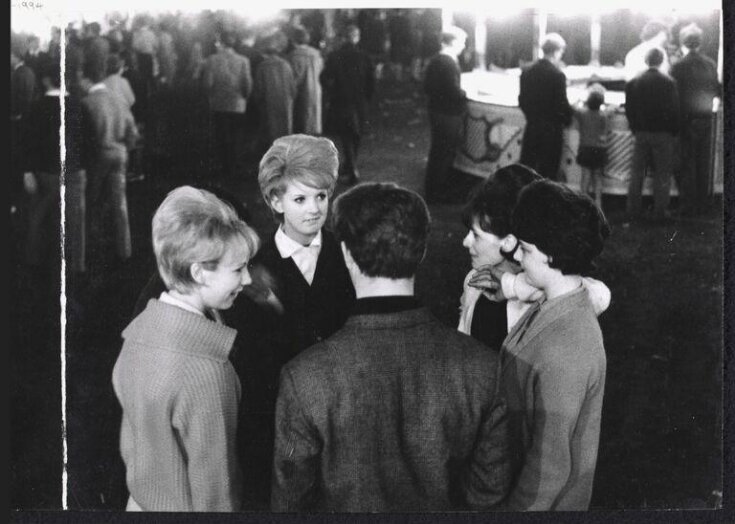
[[496, 293], [553, 359]]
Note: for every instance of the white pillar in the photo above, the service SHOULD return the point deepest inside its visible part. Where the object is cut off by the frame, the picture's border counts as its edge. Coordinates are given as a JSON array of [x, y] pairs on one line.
[[595, 37], [447, 18], [480, 40], [540, 19]]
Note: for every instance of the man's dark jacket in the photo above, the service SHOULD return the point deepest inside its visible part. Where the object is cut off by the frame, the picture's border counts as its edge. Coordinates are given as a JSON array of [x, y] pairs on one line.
[[696, 80], [652, 103], [394, 412], [543, 94]]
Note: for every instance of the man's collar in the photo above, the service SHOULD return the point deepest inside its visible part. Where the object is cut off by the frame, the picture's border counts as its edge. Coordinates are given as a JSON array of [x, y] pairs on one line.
[[385, 304], [53, 92], [97, 87], [287, 246], [21, 63]]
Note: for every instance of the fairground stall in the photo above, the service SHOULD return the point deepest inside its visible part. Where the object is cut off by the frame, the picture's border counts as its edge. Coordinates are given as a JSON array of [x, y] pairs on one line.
[[494, 124]]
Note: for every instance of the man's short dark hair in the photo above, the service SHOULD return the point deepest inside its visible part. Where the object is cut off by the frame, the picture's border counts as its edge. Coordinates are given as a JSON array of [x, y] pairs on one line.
[[492, 202], [654, 57], [385, 227], [114, 64], [227, 38], [94, 28], [300, 35], [563, 224]]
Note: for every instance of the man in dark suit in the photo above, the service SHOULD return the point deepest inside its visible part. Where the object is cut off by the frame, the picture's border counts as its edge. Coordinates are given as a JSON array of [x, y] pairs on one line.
[[543, 100], [22, 93], [652, 109], [447, 106], [696, 79], [394, 412], [348, 80]]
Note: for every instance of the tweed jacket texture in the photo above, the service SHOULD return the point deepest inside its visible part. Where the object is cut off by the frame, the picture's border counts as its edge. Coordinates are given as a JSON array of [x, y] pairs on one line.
[[395, 412], [553, 374], [179, 396]]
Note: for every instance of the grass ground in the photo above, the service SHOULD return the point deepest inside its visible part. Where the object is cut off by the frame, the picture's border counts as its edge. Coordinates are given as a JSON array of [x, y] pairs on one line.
[[660, 445]]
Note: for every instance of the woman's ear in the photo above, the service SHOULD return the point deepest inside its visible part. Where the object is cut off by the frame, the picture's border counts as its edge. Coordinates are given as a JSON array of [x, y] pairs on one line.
[[509, 243], [197, 273], [276, 204]]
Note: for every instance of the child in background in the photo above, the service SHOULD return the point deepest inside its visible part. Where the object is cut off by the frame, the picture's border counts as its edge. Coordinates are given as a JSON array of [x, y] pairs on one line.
[[553, 359], [178, 391], [495, 293], [593, 130]]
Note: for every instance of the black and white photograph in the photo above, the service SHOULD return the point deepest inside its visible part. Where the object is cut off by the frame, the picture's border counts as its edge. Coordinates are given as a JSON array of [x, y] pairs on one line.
[[288, 259]]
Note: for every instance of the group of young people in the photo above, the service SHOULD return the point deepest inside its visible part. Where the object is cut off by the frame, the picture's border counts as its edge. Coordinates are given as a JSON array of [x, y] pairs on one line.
[[304, 373]]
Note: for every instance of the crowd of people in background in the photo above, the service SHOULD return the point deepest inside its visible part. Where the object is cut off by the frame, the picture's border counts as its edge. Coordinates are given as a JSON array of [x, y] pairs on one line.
[[359, 399], [248, 84]]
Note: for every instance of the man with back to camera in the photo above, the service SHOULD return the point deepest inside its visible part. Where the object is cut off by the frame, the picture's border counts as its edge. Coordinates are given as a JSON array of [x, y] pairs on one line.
[[652, 109], [395, 411], [447, 106], [696, 79], [654, 34], [543, 100]]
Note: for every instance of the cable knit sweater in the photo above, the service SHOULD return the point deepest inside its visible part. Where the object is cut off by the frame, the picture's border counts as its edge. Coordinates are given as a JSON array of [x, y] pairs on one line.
[[179, 395]]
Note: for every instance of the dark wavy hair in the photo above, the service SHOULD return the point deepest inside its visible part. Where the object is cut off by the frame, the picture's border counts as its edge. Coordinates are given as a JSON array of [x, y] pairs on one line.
[[565, 225], [384, 226], [491, 203]]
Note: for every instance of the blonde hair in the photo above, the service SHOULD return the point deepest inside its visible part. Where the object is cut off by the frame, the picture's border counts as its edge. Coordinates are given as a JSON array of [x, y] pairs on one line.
[[310, 160], [194, 226]]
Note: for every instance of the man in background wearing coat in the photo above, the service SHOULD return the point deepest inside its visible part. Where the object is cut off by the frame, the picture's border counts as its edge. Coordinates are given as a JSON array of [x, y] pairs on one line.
[[395, 411], [349, 81], [696, 79], [543, 100], [652, 109], [229, 83], [307, 65]]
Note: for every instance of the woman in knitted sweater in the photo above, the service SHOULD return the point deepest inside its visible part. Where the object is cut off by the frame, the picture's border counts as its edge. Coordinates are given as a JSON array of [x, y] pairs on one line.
[[178, 390]]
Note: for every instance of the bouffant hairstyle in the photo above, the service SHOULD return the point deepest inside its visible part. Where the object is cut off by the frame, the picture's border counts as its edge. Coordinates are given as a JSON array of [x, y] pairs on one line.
[[310, 160], [194, 226], [552, 43], [385, 227], [565, 225], [492, 202]]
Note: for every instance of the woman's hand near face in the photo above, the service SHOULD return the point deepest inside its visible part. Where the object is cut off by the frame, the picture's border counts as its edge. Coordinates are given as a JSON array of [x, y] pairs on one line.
[[487, 279]]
